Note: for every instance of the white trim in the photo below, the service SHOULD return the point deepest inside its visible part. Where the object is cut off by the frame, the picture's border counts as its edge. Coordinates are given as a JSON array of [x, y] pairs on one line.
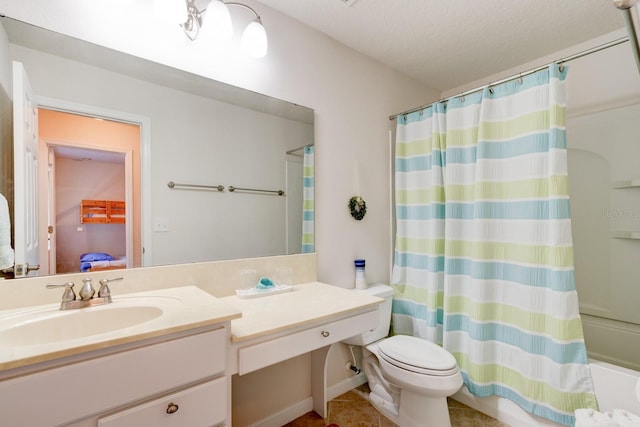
[[501, 409], [145, 157], [296, 410], [346, 385], [286, 415]]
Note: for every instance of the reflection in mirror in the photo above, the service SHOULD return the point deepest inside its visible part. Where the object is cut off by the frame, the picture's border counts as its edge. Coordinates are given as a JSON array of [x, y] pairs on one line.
[[191, 130]]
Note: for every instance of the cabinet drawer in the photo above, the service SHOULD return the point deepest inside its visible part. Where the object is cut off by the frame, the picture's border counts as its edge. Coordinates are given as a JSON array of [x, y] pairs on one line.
[[202, 405], [119, 379], [258, 356]]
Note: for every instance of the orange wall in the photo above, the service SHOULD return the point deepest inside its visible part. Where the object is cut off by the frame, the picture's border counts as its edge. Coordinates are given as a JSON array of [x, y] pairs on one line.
[[79, 131]]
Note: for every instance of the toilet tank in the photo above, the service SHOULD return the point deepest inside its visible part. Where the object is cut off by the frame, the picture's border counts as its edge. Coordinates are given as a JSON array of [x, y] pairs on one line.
[[384, 321]]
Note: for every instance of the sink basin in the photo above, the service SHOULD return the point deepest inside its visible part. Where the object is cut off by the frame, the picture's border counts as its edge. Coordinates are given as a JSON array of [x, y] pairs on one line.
[[34, 334], [47, 327]]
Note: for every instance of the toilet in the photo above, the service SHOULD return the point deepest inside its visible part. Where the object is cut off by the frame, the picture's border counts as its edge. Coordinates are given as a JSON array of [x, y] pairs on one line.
[[409, 377]]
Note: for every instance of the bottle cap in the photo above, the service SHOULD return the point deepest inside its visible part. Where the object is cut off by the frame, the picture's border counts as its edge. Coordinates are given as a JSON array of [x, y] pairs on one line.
[[359, 262]]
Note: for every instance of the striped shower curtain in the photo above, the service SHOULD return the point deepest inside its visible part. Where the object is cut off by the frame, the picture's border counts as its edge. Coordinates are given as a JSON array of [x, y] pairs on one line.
[[484, 257], [308, 203]]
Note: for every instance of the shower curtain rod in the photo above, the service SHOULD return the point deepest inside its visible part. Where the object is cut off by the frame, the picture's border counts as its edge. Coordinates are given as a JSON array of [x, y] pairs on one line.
[[519, 75]]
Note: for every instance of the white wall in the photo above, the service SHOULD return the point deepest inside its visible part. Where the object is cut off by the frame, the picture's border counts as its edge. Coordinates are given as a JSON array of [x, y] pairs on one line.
[[351, 94]]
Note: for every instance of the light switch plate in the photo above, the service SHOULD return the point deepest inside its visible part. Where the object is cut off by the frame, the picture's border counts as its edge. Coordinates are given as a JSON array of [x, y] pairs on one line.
[[161, 224]]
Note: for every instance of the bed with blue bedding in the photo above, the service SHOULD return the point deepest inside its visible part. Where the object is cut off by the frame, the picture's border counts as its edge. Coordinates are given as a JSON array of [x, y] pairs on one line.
[[98, 261]]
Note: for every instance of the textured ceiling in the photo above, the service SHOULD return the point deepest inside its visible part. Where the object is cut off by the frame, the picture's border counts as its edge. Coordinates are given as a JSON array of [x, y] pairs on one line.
[[447, 43]]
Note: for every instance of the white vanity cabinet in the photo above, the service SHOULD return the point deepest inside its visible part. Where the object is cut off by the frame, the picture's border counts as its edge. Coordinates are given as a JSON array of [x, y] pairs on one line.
[[309, 319], [175, 380]]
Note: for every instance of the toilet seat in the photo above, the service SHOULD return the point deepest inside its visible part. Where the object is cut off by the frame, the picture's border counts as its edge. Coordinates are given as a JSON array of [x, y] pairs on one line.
[[417, 355]]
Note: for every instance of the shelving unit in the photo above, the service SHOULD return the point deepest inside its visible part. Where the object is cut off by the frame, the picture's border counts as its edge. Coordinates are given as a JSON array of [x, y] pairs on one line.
[[629, 183], [635, 235], [102, 212], [626, 234]]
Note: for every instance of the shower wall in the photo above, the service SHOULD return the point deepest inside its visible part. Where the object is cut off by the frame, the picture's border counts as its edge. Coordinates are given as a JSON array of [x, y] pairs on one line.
[[604, 182]]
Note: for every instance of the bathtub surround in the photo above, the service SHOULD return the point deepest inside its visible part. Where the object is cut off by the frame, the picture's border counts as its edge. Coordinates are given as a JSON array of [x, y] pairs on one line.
[[483, 259]]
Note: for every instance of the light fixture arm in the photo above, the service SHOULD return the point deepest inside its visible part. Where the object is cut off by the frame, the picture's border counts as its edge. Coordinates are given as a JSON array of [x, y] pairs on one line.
[[192, 25], [246, 7]]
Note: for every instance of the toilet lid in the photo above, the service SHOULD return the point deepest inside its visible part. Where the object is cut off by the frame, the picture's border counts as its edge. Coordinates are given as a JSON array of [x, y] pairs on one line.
[[417, 355]]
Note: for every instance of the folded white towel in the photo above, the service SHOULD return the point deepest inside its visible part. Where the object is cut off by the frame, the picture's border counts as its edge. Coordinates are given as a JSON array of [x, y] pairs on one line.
[[618, 418], [592, 418], [6, 251], [625, 418]]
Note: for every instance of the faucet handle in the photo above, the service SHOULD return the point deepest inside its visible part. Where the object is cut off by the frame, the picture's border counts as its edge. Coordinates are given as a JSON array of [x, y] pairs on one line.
[[68, 294], [86, 291], [104, 290]]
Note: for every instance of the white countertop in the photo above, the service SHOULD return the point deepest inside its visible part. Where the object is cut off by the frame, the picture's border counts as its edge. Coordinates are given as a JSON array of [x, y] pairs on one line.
[[306, 304], [183, 308]]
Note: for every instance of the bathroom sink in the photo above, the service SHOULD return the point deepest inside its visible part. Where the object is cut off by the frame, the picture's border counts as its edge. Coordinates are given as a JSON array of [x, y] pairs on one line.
[[34, 334], [48, 326]]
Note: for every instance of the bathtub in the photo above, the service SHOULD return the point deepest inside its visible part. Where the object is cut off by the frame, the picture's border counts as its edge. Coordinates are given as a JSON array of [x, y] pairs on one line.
[[615, 388], [612, 341]]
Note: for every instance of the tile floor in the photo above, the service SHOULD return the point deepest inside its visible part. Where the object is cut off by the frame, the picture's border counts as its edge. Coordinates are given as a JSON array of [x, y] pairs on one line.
[[353, 410]]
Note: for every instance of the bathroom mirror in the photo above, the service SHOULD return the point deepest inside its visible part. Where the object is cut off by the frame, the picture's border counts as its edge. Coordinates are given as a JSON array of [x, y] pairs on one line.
[[199, 132]]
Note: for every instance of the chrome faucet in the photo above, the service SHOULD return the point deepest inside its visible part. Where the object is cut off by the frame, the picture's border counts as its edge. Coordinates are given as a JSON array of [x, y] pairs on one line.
[[86, 294]]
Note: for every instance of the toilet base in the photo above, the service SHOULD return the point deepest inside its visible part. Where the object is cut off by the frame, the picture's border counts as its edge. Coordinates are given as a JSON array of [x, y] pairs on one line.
[[418, 410]]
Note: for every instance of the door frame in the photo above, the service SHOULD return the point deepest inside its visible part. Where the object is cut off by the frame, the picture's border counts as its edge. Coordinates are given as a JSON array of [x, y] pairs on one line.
[[144, 123]]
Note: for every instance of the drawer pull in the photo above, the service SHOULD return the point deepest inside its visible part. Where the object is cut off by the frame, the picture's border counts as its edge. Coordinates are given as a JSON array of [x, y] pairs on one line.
[[172, 408], [325, 333]]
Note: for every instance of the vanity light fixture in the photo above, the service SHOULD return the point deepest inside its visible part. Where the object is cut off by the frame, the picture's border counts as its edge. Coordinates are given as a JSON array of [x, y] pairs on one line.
[[214, 21]]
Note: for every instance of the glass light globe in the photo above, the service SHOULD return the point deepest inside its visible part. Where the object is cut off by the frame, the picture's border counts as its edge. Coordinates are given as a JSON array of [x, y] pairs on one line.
[[254, 39], [170, 11], [217, 21]]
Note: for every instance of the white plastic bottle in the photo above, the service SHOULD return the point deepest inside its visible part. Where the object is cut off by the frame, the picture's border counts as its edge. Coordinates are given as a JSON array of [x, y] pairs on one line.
[[361, 279]]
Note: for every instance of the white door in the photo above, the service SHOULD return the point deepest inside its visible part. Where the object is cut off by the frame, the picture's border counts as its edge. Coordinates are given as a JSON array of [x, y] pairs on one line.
[[49, 253], [25, 149]]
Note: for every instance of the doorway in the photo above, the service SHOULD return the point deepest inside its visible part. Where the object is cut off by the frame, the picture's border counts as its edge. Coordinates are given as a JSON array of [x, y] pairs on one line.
[[90, 158]]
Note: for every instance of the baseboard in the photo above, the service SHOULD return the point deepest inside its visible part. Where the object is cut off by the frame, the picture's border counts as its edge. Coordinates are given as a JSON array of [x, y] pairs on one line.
[[296, 410], [346, 385], [286, 415], [501, 409]]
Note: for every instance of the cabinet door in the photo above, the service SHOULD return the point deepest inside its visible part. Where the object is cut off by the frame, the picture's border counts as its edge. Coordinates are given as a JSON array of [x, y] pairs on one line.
[[202, 405]]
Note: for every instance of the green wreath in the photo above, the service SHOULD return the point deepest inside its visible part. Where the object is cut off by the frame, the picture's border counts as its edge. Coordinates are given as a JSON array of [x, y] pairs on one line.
[[358, 207]]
